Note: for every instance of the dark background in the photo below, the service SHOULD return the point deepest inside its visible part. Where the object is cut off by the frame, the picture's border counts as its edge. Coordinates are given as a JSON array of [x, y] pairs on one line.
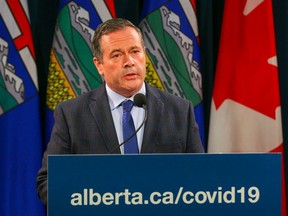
[[43, 14]]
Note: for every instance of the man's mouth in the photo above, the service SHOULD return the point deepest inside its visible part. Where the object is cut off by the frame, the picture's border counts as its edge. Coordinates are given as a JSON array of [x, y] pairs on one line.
[[131, 75]]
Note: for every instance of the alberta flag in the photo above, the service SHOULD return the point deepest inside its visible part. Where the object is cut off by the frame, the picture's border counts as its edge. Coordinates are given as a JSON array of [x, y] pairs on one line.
[[20, 140], [246, 110], [71, 70], [170, 34]]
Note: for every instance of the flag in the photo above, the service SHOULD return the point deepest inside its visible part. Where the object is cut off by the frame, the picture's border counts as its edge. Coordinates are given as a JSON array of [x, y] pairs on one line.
[[71, 68], [20, 140], [246, 110], [170, 35]]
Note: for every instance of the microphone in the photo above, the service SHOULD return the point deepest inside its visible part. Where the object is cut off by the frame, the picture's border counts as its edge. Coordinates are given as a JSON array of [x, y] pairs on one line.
[[139, 101]]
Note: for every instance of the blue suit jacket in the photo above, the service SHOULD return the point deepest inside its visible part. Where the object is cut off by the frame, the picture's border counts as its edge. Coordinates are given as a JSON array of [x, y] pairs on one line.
[[85, 126]]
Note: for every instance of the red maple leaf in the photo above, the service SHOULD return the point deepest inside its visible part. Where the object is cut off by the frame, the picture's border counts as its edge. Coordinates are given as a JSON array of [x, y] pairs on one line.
[[243, 73]]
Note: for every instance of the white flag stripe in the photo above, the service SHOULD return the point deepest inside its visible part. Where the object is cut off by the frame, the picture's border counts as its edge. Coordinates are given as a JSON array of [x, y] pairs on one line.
[[9, 20], [244, 129], [190, 14], [30, 65], [102, 10]]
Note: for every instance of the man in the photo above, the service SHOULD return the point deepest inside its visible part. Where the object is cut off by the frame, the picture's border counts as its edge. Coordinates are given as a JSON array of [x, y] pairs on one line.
[[91, 123]]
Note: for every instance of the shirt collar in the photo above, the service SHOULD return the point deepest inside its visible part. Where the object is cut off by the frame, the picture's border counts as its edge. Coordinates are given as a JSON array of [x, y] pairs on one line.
[[116, 99]]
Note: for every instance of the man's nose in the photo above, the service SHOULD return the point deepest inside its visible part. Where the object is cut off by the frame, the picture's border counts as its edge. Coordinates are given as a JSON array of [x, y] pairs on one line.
[[128, 61]]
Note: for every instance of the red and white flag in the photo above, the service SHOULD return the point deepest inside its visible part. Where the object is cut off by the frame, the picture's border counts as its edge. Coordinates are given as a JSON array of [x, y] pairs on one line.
[[246, 110]]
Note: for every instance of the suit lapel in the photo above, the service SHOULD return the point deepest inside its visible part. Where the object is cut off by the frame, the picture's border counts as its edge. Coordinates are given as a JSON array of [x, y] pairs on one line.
[[100, 109], [154, 111]]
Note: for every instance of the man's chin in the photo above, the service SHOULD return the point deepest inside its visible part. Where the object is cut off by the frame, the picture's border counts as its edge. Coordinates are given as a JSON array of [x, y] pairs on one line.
[[132, 88]]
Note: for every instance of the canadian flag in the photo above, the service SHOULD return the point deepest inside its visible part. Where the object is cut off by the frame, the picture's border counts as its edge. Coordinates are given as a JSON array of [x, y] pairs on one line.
[[246, 111]]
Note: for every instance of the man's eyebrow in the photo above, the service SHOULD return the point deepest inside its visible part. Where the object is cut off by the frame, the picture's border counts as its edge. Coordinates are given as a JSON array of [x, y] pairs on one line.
[[135, 47], [120, 50], [115, 50]]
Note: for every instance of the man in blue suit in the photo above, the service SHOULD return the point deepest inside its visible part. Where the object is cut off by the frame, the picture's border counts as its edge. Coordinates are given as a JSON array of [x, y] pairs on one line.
[[91, 123]]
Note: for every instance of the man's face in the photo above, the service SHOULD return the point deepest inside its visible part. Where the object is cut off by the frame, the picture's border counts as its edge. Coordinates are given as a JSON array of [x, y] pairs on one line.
[[124, 63]]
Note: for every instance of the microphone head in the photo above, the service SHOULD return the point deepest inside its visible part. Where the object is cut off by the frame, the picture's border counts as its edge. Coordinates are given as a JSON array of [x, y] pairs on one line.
[[140, 100]]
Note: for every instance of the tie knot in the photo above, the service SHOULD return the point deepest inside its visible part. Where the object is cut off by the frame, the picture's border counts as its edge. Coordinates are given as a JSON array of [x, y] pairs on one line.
[[127, 105]]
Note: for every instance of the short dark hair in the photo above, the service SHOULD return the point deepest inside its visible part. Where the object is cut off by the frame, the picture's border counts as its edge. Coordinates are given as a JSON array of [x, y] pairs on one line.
[[106, 28]]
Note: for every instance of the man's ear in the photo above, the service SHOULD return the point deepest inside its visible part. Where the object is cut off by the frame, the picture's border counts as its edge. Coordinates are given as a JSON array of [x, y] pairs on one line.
[[99, 66]]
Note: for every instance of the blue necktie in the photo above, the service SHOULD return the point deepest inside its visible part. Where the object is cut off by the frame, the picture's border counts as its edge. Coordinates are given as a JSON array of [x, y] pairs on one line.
[[131, 147]]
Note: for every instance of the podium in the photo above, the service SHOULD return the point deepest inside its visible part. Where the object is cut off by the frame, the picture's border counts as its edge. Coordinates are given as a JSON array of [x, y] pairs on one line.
[[166, 184]]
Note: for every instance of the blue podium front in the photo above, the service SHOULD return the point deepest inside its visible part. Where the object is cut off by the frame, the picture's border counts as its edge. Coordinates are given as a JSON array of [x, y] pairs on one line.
[[167, 184]]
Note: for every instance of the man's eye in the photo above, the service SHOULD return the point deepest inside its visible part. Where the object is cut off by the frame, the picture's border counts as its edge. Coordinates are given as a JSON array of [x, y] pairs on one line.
[[116, 54]]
